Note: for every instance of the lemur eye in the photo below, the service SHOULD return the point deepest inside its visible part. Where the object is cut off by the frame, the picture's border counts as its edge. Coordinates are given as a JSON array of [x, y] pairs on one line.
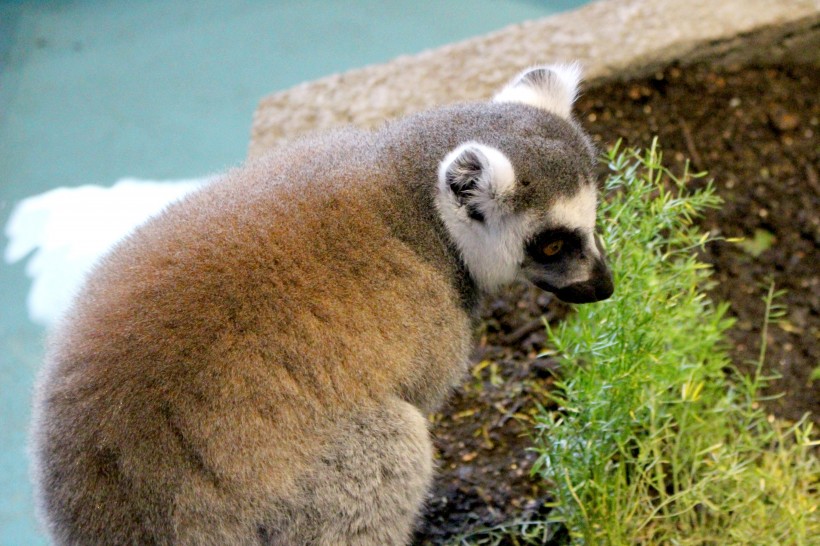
[[553, 248]]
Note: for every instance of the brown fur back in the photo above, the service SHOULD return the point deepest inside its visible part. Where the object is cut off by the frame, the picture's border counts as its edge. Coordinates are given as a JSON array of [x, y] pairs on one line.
[[214, 355]]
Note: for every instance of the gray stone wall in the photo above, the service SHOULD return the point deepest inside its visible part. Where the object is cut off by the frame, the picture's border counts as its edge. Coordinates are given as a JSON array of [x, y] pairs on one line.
[[611, 38]]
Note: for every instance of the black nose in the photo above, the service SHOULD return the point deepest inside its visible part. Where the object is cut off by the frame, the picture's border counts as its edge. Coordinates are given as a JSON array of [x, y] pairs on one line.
[[604, 289], [597, 288]]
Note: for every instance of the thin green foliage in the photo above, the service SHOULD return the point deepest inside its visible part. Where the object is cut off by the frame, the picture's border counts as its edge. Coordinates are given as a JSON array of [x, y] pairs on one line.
[[654, 443]]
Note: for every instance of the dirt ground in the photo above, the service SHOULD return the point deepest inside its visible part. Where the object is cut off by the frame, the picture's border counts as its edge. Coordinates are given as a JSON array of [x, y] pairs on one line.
[[756, 131]]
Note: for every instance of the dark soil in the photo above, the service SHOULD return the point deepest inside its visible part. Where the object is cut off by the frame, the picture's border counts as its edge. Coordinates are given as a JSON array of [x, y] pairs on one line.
[[755, 131]]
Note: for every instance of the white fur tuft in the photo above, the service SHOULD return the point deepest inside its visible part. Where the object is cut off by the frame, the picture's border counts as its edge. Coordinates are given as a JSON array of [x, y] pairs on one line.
[[555, 93], [578, 211], [491, 249]]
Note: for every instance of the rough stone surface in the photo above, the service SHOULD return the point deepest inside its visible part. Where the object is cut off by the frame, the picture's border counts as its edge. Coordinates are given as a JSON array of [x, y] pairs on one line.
[[613, 39]]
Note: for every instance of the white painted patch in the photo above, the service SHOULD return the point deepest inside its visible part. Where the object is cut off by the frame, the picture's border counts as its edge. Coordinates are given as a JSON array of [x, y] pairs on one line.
[[66, 230], [557, 96]]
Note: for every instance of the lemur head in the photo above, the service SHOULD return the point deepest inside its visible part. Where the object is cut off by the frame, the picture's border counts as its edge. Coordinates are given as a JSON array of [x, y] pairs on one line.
[[525, 203]]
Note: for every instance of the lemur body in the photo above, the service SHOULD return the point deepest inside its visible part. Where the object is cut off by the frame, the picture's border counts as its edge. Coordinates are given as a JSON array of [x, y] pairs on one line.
[[253, 366]]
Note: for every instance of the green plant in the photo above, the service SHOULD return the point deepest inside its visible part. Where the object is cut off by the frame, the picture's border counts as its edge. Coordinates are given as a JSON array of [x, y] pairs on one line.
[[655, 443]]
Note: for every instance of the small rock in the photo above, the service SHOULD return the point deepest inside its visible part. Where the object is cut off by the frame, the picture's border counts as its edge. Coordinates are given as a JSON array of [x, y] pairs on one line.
[[465, 472], [783, 120]]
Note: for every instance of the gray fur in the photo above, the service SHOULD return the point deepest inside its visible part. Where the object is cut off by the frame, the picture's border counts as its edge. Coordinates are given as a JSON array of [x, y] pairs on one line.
[[253, 366]]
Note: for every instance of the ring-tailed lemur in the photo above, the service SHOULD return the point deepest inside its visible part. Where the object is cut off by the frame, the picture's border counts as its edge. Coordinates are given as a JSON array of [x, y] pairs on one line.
[[253, 365]]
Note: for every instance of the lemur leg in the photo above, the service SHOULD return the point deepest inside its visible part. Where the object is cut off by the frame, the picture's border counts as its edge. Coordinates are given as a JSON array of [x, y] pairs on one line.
[[372, 482], [364, 485]]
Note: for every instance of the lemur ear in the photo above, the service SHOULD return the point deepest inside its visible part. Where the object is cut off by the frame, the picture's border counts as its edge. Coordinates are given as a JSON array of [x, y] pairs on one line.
[[476, 176], [552, 88]]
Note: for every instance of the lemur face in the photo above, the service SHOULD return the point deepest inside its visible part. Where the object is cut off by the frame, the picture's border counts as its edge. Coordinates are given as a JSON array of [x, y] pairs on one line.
[[565, 256], [529, 213]]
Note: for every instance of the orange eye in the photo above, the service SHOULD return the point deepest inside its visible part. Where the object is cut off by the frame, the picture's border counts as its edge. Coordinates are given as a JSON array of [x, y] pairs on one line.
[[553, 248]]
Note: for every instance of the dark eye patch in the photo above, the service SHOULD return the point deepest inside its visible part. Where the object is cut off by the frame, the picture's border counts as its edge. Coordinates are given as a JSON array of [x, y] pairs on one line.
[[570, 245]]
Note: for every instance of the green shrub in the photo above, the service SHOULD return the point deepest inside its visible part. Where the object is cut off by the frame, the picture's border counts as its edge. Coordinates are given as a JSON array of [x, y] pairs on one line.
[[655, 442]]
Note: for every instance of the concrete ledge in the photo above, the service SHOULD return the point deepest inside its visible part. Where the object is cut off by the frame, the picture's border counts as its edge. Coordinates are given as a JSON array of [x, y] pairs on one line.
[[613, 39]]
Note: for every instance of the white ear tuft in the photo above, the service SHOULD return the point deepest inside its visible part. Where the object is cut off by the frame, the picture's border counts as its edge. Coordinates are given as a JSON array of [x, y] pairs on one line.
[[552, 88]]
